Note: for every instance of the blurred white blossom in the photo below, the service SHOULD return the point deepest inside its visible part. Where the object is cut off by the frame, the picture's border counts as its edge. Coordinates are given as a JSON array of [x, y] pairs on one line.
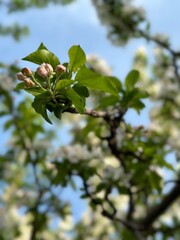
[[99, 65]]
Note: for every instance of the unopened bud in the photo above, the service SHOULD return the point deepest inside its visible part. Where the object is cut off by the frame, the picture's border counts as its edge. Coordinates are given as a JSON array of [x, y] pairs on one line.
[[44, 70], [27, 71], [48, 67], [41, 71], [28, 82], [20, 76], [60, 69]]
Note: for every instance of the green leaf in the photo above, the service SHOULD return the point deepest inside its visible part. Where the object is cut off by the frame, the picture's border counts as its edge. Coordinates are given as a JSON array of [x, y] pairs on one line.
[[77, 58], [155, 181], [133, 99], [142, 94], [39, 105], [93, 80], [101, 186], [98, 201], [81, 90], [116, 83], [137, 105], [131, 79], [42, 46], [42, 55], [63, 170], [19, 86], [57, 112], [84, 196], [35, 90], [108, 101], [8, 124], [78, 101], [164, 163], [63, 83]]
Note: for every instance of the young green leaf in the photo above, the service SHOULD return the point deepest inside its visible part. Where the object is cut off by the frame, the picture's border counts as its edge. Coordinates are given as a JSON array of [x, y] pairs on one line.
[[42, 55], [42, 46], [81, 90], [39, 105], [132, 99], [77, 58], [63, 83], [108, 101], [131, 79], [78, 101], [137, 105], [93, 80], [57, 112], [19, 86], [116, 82], [35, 91]]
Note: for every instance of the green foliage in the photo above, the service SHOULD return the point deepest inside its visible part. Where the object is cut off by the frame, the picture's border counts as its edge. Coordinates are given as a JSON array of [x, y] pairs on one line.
[[16, 5], [42, 55], [59, 91], [122, 19], [77, 100], [40, 103], [62, 84], [131, 80], [16, 31], [95, 81], [77, 58], [81, 90], [132, 96]]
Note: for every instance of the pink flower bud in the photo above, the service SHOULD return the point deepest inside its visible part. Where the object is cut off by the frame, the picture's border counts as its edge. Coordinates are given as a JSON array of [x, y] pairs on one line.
[[20, 76], [48, 67], [60, 69], [28, 82], [44, 70], [27, 71], [41, 71]]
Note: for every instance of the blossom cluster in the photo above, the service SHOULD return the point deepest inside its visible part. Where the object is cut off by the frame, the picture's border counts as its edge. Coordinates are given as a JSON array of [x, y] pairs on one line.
[[45, 70], [99, 65], [77, 153], [25, 75]]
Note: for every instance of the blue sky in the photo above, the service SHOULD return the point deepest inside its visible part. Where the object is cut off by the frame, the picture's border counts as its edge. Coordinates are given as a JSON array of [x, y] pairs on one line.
[[61, 27]]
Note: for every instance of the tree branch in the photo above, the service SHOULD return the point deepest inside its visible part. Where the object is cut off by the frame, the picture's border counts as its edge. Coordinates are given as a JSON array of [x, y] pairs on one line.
[[156, 211], [90, 112], [116, 114]]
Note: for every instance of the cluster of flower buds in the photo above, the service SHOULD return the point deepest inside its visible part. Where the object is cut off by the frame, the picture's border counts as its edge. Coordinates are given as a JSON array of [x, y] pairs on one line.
[[45, 70], [24, 76]]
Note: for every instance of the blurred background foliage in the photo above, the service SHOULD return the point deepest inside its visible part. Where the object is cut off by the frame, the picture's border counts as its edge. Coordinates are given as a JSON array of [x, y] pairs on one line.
[[129, 175]]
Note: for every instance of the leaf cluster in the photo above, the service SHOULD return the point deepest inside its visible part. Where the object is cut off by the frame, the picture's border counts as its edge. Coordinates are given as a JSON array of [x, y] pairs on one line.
[[63, 91]]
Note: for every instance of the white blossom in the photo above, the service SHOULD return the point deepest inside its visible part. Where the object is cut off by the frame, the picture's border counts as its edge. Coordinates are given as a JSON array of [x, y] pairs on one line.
[[99, 65], [77, 152]]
